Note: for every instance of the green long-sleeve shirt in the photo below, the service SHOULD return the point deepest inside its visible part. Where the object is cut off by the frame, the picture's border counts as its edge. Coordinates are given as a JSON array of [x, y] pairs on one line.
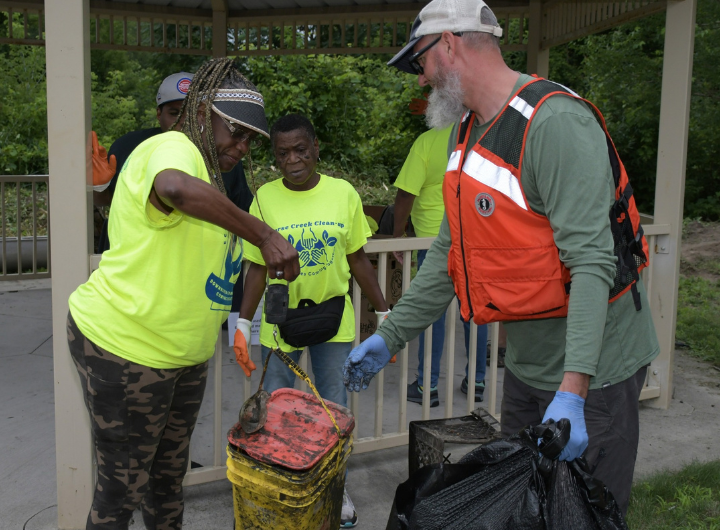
[[566, 176]]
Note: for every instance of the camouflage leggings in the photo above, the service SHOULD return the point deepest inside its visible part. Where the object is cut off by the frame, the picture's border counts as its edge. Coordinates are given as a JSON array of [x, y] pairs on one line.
[[142, 419]]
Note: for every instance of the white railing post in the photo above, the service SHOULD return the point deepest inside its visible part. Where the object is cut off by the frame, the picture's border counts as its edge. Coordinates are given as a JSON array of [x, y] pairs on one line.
[[494, 329], [427, 369], [471, 366], [655, 233], [380, 378], [402, 415], [355, 396], [216, 471], [450, 320], [218, 438], [304, 367]]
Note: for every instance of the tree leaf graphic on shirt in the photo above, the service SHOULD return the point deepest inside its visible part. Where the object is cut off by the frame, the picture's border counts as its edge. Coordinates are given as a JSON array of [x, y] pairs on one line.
[[329, 241], [291, 240]]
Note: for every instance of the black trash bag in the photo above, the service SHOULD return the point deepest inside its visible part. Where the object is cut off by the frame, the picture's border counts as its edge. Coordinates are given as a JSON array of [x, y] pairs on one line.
[[575, 499], [508, 485]]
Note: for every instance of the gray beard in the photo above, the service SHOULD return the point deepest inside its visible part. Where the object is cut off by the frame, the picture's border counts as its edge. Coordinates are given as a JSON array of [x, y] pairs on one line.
[[445, 102]]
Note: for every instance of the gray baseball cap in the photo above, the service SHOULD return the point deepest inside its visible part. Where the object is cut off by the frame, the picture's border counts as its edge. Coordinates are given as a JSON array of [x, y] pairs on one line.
[[174, 87], [456, 16]]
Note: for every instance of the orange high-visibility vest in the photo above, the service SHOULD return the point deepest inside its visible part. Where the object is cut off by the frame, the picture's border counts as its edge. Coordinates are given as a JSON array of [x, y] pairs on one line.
[[503, 259]]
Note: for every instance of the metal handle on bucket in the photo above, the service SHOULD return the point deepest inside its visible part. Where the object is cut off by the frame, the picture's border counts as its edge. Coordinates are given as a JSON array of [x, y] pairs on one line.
[[302, 375]]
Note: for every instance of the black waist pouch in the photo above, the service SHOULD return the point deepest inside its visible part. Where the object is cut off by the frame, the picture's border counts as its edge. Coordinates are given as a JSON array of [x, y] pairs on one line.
[[310, 323]]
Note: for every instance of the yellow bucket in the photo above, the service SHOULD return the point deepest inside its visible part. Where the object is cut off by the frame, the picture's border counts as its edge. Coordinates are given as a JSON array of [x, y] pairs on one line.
[[270, 497], [291, 474]]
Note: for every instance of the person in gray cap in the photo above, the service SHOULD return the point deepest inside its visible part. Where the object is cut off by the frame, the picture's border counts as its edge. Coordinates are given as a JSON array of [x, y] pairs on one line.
[[170, 96], [537, 201], [143, 327]]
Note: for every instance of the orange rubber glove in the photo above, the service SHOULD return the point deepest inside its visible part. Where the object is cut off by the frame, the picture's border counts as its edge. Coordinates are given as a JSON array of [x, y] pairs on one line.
[[102, 167], [418, 106], [240, 345]]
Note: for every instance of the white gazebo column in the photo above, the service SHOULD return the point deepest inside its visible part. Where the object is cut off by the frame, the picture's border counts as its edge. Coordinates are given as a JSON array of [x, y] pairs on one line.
[[68, 100], [670, 185], [538, 59]]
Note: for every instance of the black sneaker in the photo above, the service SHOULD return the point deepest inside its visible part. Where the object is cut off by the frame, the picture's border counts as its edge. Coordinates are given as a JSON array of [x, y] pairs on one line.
[[479, 389], [415, 394], [501, 357]]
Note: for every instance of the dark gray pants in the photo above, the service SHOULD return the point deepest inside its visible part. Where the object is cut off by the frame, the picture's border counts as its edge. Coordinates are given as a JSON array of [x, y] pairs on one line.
[[611, 418]]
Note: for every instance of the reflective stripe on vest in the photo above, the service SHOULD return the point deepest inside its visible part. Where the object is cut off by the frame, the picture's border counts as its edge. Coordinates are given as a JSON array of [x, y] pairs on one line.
[[495, 177]]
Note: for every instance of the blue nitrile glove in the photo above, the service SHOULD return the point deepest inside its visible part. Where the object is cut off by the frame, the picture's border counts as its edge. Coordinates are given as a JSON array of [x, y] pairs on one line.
[[364, 362], [570, 406]]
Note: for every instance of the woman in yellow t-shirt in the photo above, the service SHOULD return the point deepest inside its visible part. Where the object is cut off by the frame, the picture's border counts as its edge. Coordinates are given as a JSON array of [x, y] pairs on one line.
[[142, 328], [322, 217]]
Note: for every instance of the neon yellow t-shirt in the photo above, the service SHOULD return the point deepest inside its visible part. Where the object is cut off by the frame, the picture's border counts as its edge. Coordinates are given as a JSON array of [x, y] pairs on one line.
[[324, 224], [165, 286], [422, 175]]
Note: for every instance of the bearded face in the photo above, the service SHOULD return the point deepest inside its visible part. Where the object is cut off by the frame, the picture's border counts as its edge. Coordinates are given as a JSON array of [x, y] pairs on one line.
[[445, 102]]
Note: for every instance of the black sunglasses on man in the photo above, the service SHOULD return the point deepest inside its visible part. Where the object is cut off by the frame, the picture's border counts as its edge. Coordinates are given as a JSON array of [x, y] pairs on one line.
[[413, 60]]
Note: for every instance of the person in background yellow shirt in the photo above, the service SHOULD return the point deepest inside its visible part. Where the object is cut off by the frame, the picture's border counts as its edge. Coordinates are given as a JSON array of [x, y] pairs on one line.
[[419, 194]]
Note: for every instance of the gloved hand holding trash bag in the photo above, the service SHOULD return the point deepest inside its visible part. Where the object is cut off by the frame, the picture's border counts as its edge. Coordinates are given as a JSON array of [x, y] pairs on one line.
[[572, 407]]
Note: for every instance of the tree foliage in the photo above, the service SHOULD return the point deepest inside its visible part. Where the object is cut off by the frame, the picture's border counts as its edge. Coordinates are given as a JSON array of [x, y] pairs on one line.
[[23, 115], [359, 107], [621, 72]]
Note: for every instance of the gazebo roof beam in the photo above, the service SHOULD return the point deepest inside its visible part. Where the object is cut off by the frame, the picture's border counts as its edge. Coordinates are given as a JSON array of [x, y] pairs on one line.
[[384, 9], [106, 7], [23, 4]]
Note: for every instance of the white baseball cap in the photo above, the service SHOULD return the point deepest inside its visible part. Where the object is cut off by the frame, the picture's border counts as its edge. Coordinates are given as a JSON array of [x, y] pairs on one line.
[[174, 87], [456, 16]]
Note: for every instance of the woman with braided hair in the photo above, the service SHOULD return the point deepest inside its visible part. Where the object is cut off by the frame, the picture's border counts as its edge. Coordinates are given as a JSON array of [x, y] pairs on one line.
[[142, 329]]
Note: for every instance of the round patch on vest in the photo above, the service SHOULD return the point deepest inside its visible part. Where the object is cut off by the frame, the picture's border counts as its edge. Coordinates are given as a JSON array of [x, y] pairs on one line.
[[485, 204]]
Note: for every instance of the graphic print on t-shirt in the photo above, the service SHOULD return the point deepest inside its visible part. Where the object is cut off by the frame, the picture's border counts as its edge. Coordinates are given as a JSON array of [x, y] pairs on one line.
[[220, 290], [315, 245]]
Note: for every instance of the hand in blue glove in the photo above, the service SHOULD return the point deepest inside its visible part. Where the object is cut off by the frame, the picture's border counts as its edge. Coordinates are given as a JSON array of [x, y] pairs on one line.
[[570, 406], [364, 362]]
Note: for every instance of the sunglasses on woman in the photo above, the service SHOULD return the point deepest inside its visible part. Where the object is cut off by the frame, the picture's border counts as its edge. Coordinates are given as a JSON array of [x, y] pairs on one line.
[[241, 134]]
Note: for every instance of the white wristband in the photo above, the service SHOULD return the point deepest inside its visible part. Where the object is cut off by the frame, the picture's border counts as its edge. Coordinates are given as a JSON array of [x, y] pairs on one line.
[[381, 316], [245, 326]]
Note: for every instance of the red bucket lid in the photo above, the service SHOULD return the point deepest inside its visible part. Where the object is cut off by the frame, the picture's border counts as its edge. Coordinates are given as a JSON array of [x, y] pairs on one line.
[[298, 432]]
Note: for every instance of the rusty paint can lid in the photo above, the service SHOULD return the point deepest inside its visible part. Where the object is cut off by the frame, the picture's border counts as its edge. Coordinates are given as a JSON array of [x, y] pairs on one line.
[[298, 432]]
